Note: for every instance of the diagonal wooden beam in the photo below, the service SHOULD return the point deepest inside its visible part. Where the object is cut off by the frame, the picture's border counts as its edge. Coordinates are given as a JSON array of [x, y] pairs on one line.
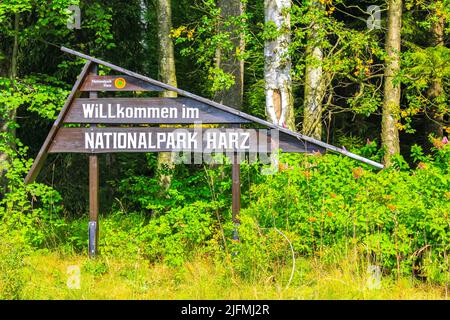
[[224, 108], [42, 155]]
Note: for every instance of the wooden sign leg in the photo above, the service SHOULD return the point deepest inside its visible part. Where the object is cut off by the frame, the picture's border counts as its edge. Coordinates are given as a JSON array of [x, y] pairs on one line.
[[236, 193], [93, 190], [93, 205]]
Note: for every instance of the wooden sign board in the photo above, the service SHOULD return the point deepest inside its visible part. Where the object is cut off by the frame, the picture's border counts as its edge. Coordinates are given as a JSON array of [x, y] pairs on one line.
[[116, 83], [188, 109], [147, 111], [154, 139]]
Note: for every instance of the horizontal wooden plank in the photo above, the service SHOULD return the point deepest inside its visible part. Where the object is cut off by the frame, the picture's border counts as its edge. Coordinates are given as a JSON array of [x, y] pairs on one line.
[[117, 83], [287, 143], [155, 139], [147, 111], [225, 108]]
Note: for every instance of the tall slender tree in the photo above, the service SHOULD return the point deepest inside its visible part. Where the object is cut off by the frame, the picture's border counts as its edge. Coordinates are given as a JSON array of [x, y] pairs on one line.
[[392, 91], [167, 75], [15, 48], [167, 69], [277, 69], [10, 115], [314, 79], [229, 60], [434, 123]]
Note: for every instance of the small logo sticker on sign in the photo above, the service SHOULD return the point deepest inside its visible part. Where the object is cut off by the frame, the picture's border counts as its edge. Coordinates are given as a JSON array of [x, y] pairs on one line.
[[120, 83]]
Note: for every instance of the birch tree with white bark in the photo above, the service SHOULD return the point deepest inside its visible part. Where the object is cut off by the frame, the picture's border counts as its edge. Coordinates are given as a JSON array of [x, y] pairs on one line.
[[277, 68]]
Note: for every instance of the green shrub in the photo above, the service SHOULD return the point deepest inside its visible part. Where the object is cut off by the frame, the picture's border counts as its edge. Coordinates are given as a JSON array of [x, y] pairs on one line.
[[324, 201], [95, 267], [31, 210], [12, 267], [326, 207]]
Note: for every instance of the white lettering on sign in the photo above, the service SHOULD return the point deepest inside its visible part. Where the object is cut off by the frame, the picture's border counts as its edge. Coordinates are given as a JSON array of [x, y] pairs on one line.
[[116, 111], [106, 83], [101, 81], [88, 110], [190, 113], [216, 140], [182, 140], [168, 140]]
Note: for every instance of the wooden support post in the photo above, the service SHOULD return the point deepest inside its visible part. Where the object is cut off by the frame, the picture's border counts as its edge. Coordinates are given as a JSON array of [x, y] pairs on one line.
[[93, 191], [93, 205], [236, 188], [236, 193]]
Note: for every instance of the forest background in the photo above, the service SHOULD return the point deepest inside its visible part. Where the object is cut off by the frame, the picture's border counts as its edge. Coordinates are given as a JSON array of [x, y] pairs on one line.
[[370, 76]]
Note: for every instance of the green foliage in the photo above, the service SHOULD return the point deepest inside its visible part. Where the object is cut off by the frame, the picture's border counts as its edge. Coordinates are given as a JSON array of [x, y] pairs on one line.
[[99, 27], [214, 33], [174, 236], [351, 55], [40, 94], [171, 228], [12, 272], [424, 63], [323, 202], [95, 267], [421, 68], [220, 79], [324, 206], [32, 212], [29, 212]]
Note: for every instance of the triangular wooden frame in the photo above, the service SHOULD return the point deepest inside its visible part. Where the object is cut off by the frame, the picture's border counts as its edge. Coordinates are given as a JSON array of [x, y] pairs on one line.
[[225, 108], [42, 155]]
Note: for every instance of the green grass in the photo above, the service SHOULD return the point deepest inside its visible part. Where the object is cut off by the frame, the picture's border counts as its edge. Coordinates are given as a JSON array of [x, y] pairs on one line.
[[44, 276]]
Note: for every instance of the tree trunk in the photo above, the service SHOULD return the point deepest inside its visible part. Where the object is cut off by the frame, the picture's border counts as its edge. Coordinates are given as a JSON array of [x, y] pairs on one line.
[[143, 5], [278, 83], [167, 75], [392, 92], [434, 123], [13, 72], [11, 114], [14, 67], [314, 83], [166, 51], [229, 61]]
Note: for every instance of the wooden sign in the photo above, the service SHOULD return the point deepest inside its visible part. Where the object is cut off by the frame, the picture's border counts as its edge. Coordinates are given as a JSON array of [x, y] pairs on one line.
[[151, 139], [147, 111], [188, 109], [116, 83]]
